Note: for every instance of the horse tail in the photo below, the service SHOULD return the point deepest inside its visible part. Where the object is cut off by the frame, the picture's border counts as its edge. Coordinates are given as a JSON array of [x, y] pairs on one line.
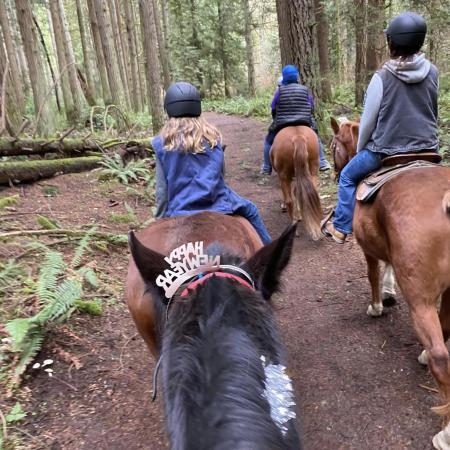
[[446, 203], [306, 196]]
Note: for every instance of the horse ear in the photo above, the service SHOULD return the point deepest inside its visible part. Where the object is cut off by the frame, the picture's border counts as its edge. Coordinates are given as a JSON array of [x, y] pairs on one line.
[[334, 125], [266, 264], [149, 263], [355, 132]]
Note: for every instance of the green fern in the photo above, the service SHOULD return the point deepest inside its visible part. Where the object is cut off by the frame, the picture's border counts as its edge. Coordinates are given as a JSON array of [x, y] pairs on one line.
[[58, 288], [10, 275], [52, 267], [115, 168], [82, 248]]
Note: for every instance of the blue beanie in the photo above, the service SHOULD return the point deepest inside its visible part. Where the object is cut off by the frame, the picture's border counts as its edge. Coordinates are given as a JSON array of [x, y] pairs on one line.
[[290, 74]]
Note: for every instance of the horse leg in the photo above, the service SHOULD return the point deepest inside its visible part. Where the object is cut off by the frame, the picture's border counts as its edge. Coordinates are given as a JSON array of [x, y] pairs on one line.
[[444, 318], [388, 286], [375, 308], [425, 321], [287, 196]]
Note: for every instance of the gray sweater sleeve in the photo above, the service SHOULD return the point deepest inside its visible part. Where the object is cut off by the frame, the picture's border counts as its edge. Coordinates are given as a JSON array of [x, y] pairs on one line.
[[161, 191], [372, 103]]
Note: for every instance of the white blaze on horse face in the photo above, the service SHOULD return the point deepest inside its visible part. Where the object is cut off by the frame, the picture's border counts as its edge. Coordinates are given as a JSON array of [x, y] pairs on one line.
[[388, 285], [341, 120]]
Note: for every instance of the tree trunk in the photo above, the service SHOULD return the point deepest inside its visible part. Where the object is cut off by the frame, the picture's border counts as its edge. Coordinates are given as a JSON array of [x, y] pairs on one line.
[[49, 63], [16, 171], [152, 64], [119, 54], [36, 69], [375, 36], [16, 82], [88, 69], [62, 64], [195, 41], [27, 147], [322, 43], [9, 114], [163, 54], [249, 48], [75, 87], [135, 91], [298, 44], [99, 53], [107, 40], [222, 52], [360, 47]]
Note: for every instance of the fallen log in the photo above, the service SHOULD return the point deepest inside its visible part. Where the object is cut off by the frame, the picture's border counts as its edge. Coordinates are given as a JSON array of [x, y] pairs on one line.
[[17, 171], [15, 147]]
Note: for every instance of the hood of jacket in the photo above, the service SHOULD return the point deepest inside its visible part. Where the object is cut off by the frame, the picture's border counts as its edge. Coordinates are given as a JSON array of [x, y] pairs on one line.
[[411, 70]]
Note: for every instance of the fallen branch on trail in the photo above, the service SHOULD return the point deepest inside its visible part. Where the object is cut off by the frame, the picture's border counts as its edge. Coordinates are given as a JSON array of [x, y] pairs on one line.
[[15, 171], [15, 147], [117, 239]]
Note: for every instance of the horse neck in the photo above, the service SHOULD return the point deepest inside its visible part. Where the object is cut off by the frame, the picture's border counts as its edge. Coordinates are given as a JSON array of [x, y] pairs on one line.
[[213, 374]]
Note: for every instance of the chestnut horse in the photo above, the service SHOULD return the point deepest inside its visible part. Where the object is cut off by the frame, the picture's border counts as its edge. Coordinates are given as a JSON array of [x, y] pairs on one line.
[[408, 227], [295, 158], [216, 336]]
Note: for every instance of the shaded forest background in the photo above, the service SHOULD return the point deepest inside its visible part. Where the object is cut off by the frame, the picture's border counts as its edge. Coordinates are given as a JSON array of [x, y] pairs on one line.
[[106, 63]]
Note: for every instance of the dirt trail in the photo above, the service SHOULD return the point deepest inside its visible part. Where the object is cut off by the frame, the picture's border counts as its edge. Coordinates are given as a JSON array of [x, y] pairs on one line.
[[356, 378]]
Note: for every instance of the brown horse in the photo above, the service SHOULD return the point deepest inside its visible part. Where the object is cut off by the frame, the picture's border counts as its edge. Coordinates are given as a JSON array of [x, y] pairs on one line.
[[295, 158], [217, 336], [408, 227], [163, 236]]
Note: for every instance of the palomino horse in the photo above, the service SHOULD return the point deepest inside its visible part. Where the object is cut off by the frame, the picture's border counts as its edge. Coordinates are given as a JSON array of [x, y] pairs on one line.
[[295, 158], [408, 227], [219, 346]]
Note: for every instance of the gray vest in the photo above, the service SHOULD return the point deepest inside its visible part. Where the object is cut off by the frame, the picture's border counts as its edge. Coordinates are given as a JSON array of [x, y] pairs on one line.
[[293, 106], [407, 120]]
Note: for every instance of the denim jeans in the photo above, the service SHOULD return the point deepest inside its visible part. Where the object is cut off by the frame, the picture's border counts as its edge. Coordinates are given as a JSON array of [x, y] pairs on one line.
[[355, 171], [267, 166], [249, 210]]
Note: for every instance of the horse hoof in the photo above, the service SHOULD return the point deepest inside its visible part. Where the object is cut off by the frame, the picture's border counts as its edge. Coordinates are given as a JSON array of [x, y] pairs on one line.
[[441, 441], [283, 208], [388, 298], [375, 311], [423, 358]]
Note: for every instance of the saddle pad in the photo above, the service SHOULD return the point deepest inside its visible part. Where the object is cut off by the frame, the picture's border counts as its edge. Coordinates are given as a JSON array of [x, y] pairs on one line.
[[368, 188]]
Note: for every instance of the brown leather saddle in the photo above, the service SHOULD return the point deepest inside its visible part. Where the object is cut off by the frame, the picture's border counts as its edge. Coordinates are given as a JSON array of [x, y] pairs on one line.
[[391, 167]]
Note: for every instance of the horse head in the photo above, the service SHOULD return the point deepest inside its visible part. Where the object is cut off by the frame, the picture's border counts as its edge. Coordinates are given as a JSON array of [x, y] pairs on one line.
[[221, 355], [344, 142]]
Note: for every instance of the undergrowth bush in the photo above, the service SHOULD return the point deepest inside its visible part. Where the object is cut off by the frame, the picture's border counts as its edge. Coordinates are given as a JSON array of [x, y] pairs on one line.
[[258, 106]]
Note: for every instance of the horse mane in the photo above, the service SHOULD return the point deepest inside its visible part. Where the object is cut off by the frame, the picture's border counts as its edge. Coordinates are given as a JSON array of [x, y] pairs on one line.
[[213, 376]]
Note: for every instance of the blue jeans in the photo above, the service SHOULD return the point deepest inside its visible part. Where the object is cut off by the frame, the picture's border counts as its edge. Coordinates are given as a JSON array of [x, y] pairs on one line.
[[355, 171], [249, 210], [267, 166]]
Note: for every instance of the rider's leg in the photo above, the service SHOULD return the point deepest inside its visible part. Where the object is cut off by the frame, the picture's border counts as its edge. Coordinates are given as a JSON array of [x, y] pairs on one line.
[[355, 171], [249, 210], [324, 164], [267, 166]]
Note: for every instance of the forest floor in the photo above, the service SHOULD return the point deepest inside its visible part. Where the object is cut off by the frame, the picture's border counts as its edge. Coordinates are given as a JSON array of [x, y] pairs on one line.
[[357, 380]]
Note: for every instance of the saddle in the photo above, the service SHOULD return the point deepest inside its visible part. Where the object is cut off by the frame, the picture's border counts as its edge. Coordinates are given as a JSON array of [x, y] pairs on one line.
[[391, 167]]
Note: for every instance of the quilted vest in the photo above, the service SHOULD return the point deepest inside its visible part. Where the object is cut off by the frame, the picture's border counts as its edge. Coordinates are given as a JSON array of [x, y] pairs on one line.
[[293, 106]]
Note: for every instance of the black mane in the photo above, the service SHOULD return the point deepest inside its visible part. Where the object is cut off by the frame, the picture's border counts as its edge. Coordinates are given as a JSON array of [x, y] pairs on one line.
[[213, 377]]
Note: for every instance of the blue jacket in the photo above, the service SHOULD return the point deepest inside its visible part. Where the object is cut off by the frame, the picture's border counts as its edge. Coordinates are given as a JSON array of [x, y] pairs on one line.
[[188, 183]]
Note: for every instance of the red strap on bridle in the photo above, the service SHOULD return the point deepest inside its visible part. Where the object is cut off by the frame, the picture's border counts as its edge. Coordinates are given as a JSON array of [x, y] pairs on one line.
[[196, 283]]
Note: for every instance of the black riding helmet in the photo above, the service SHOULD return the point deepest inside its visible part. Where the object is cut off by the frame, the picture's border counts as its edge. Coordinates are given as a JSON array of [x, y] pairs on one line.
[[408, 29], [182, 100]]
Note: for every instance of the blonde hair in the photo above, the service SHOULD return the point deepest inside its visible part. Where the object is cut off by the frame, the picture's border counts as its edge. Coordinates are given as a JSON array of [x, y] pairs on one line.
[[189, 134]]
